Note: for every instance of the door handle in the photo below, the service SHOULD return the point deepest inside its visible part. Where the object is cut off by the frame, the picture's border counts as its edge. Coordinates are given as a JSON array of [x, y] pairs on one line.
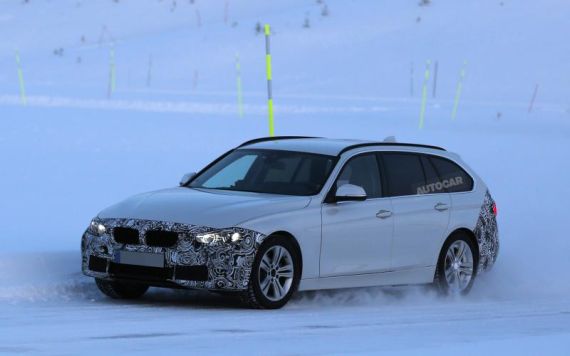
[[441, 207], [383, 214]]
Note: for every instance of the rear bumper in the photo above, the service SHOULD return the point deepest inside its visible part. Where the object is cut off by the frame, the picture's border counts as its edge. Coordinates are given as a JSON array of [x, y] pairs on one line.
[[487, 233], [187, 264]]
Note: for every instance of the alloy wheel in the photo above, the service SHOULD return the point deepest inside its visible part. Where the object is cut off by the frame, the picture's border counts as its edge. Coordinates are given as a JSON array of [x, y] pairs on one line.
[[276, 272], [458, 266]]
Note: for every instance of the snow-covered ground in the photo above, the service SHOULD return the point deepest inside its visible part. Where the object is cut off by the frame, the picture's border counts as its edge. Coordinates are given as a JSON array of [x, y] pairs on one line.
[[56, 311], [72, 151]]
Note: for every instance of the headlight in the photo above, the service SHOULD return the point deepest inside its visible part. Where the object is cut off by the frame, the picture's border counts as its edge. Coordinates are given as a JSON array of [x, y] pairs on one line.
[[219, 236], [97, 228]]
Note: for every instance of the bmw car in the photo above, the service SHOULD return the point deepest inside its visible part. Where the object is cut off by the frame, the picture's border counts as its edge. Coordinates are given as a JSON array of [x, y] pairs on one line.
[[279, 215]]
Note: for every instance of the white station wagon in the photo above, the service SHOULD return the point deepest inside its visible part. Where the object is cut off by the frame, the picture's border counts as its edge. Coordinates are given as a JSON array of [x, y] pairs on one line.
[[282, 214]]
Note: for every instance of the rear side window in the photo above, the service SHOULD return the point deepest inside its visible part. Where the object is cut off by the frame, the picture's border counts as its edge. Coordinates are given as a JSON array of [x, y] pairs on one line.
[[404, 173], [433, 183], [452, 177], [362, 171]]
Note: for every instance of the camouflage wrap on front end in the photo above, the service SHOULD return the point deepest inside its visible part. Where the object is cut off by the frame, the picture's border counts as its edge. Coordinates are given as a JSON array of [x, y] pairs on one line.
[[487, 234], [229, 263]]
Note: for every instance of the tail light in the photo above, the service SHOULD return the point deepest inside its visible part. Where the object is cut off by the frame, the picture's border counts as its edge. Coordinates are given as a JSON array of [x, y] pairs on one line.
[[494, 209]]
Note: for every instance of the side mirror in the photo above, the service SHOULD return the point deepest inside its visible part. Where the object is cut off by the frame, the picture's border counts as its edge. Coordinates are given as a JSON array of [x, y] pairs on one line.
[[186, 178], [350, 192]]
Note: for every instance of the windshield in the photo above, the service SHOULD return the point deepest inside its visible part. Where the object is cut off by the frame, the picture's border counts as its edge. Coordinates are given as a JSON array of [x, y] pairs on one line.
[[267, 171]]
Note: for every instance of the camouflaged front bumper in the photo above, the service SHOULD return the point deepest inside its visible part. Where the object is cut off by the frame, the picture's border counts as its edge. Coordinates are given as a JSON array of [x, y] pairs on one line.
[[218, 265]]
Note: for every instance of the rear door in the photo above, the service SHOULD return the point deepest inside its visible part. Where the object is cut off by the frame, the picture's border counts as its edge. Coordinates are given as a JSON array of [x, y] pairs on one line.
[[420, 208], [357, 235]]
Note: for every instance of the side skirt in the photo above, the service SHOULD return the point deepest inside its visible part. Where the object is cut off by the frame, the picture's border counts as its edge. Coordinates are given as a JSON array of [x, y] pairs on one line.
[[401, 277]]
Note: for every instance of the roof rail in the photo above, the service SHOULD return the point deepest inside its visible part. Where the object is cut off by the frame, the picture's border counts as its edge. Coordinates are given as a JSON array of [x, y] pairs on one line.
[[367, 144], [273, 138]]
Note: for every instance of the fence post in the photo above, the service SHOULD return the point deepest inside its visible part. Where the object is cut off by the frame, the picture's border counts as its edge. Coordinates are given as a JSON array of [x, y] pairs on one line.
[[412, 79], [149, 71], [531, 105], [111, 84], [239, 94]]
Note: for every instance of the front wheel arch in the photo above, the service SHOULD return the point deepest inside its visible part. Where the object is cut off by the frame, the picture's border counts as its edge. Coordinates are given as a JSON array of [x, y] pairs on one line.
[[292, 238], [253, 296]]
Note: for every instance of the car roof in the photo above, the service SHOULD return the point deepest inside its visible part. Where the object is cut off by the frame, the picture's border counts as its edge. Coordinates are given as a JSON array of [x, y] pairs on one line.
[[320, 145]]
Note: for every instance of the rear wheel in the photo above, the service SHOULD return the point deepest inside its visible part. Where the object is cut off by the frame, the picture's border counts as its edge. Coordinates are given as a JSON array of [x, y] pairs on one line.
[[275, 274], [120, 289], [457, 266]]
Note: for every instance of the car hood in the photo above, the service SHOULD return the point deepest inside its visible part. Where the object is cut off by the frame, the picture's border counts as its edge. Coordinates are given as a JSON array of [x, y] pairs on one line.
[[213, 208]]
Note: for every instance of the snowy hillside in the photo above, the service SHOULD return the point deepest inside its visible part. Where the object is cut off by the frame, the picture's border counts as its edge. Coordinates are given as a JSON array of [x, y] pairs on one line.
[[358, 50], [357, 72]]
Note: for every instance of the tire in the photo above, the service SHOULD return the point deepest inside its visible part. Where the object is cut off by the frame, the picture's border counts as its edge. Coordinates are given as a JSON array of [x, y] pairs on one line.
[[120, 289], [452, 275], [270, 286]]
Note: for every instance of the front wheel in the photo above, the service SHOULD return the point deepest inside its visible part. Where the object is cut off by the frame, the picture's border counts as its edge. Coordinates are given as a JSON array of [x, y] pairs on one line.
[[457, 265], [275, 274], [120, 289]]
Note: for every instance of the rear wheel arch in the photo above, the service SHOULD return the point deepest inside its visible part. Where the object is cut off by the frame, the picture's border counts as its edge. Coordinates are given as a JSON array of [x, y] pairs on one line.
[[461, 230], [471, 235], [439, 280]]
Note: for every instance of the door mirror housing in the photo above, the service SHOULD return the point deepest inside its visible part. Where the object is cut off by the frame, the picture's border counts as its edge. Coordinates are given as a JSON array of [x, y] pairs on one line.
[[186, 178], [350, 192]]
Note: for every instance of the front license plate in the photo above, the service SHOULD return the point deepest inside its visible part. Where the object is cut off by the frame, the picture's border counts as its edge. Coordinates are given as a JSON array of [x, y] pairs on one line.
[[140, 258]]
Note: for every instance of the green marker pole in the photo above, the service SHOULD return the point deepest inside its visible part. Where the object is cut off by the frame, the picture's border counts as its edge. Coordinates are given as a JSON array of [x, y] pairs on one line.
[[424, 95], [434, 79], [111, 87], [239, 94], [269, 93], [23, 97], [458, 91]]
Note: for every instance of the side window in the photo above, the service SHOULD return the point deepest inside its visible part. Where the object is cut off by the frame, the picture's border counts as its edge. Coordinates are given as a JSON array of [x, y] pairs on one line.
[[453, 177], [433, 183], [404, 174], [362, 171]]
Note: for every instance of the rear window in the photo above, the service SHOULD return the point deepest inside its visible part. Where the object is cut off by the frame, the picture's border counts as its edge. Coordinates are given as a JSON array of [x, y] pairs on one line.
[[452, 177], [404, 173]]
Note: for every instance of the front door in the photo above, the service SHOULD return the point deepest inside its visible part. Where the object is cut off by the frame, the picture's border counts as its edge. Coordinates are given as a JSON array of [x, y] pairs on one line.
[[357, 235]]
